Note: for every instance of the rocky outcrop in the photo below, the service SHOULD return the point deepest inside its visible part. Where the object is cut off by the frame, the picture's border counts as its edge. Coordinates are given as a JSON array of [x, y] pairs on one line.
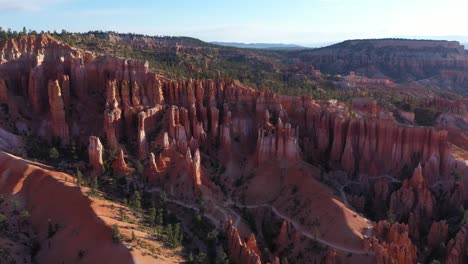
[[282, 240], [196, 169], [152, 171], [112, 115], [58, 123], [120, 167], [374, 146], [413, 196], [456, 248], [278, 142], [239, 251], [95, 151], [437, 234], [392, 244]]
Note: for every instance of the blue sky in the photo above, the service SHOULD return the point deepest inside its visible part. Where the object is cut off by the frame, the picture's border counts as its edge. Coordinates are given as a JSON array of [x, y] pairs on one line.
[[274, 21]]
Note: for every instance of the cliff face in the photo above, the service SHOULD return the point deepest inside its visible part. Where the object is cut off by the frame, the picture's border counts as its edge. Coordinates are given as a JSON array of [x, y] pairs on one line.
[[285, 127], [241, 252], [401, 60]]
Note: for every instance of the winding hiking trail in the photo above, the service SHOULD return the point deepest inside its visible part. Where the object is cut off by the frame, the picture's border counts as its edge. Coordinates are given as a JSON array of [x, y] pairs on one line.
[[238, 218], [300, 229]]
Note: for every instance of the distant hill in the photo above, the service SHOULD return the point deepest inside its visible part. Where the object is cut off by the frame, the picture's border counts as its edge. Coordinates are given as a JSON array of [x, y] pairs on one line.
[[277, 46], [403, 60]]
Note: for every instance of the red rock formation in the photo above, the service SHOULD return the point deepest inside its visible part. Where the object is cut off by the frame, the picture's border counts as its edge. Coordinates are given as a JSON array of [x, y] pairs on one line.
[[282, 240], [59, 125], [95, 151], [437, 234], [393, 244], [239, 251], [154, 90], [120, 167], [166, 141], [112, 115], [152, 171], [196, 169], [252, 244], [3, 91], [276, 261], [413, 196], [277, 143], [329, 257], [457, 246], [141, 136], [202, 113]]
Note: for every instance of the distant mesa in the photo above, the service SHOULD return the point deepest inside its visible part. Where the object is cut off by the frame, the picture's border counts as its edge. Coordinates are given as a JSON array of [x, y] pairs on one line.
[[277, 46]]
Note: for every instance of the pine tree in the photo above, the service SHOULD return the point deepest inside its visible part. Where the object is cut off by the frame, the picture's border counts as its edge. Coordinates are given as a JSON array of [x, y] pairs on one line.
[[94, 185], [152, 215], [221, 256], [135, 201], [160, 217], [190, 258], [25, 32], [163, 198], [170, 235], [3, 222], [79, 178], [73, 150], [178, 235], [116, 235], [54, 153]]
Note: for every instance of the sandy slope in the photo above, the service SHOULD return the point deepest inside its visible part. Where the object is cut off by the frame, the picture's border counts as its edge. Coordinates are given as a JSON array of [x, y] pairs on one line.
[[84, 224]]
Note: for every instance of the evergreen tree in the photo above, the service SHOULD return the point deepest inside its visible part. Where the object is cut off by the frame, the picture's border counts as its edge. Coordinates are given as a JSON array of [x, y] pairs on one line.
[[134, 238], [94, 185], [73, 151], [54, 154], [3, 222], [170, 235], [152, 215], [160, 217], [25, 32], [116, 235], [221, 256], [135, 201], [163, 198], [79, 178], [178, 235], [200, 258], [190, 257]]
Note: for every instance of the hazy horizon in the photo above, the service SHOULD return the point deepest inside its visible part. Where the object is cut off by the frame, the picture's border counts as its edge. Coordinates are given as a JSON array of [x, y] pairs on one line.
[[300, 22]]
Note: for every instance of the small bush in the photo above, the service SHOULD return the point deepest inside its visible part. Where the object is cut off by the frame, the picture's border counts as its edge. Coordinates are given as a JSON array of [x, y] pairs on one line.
[[116, 235]]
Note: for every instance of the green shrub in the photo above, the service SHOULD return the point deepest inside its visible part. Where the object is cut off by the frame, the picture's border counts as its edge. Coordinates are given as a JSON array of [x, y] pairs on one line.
[[425, 116]]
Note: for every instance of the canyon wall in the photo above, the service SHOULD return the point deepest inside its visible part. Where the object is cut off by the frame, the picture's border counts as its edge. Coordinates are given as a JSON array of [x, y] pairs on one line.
[[173, 124]]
